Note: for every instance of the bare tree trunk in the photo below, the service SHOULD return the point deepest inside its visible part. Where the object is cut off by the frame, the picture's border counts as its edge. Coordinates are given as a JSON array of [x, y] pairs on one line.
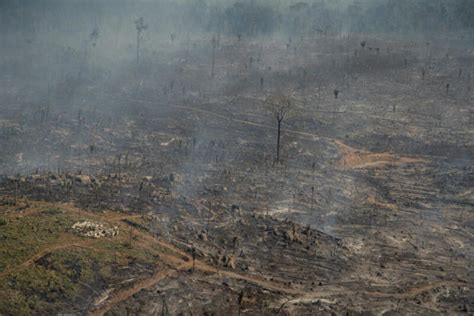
[[278, 141], [17, 184], [138, 48], [164, 308], [193, 252], [213, 58], [117, 33]]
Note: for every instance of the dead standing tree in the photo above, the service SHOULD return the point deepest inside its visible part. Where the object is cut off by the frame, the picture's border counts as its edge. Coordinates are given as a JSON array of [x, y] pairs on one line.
[[140, 27], [280, 107], [214, 46], [94, 36], [193, 254]]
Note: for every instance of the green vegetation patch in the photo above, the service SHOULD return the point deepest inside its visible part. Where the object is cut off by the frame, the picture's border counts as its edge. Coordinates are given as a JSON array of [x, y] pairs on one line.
[[62, 279], [22, 237]]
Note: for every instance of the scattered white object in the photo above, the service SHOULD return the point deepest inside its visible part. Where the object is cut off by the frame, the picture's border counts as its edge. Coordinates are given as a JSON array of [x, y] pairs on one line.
[[94, 229]]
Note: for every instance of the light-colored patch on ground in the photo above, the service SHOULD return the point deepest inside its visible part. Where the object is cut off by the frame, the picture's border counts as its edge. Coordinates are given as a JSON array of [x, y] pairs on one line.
[[359, 159]]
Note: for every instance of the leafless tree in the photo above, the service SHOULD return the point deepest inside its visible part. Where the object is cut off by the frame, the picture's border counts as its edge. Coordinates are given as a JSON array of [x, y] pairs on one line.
[[94, 36], [164, 309], [234, 243], [241, 300], [140, 26], [279, 106], [193, 254], [214, 46]]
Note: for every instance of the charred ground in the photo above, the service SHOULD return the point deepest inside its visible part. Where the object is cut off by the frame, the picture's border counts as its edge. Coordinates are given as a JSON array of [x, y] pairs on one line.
[[369, 211]]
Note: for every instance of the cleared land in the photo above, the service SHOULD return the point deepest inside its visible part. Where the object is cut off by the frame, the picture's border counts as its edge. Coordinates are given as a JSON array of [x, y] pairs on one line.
[[370, 210]]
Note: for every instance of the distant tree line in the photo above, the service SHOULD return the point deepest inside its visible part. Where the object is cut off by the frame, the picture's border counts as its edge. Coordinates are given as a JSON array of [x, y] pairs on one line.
[[244, 17], [411, 15]]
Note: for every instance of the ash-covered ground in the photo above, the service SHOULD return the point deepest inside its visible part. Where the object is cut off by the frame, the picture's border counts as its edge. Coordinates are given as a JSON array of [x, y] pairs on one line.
[[365, 206]]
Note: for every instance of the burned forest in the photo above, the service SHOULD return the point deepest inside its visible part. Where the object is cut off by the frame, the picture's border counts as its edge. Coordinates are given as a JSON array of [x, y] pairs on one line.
[[236, 157]]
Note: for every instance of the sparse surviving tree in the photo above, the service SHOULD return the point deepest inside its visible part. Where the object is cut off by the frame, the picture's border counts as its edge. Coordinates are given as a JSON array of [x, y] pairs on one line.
[[279, 106], [140, 27]]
